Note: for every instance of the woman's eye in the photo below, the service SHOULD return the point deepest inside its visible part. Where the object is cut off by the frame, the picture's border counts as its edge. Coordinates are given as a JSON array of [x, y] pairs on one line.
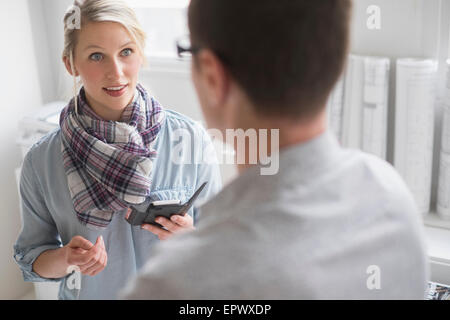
[[126, 52], [96, 56]]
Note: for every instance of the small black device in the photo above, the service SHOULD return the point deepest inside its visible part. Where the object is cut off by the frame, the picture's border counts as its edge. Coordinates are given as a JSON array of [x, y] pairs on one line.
[[165, 208]]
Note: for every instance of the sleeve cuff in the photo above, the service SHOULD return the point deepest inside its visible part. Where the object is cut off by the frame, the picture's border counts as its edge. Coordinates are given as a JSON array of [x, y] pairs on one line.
[[26, 260]]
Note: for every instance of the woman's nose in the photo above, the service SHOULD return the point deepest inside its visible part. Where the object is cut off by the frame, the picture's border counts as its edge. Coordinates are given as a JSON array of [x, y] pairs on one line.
[[115, 69]]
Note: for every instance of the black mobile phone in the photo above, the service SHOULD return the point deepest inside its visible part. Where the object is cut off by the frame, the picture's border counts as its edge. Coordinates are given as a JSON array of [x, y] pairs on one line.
[[165, 208]]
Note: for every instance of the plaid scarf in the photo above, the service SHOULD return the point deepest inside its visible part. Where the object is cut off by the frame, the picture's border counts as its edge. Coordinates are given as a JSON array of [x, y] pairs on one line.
[[108, 163]]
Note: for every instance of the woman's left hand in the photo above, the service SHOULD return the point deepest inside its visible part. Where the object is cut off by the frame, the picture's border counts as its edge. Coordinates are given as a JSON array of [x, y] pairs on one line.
[[176, 224]]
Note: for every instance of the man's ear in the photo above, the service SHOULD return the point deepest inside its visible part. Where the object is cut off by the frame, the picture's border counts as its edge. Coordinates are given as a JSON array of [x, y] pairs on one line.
[[66, 61], [214, 76]]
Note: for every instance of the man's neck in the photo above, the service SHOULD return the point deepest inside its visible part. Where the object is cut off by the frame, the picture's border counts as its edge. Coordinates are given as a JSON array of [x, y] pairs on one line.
[[289, 133]]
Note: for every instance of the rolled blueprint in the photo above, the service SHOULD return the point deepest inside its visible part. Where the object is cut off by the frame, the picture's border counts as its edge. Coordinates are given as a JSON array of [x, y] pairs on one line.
[[445, 146], [443, 197], [334, 109], [443, 200], [366, 104], [414, 125]]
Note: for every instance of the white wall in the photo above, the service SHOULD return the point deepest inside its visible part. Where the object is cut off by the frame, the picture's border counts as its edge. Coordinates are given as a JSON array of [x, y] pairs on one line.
[[42, 49], [21, 93], [408, 28], [53, 13]]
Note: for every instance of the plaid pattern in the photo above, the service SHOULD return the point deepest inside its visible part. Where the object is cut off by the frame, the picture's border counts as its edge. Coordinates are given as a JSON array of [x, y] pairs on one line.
[[108, 163]]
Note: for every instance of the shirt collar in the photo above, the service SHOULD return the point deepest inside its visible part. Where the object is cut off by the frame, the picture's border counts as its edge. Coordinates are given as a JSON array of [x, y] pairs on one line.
[[297, 163]]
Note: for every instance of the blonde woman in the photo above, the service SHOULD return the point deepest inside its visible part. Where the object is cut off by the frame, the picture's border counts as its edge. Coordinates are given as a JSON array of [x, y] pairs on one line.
[[115, 149]]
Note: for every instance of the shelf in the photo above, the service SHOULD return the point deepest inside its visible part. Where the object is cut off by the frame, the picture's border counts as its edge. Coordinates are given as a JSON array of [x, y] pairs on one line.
[[438, 247], [433, 220]]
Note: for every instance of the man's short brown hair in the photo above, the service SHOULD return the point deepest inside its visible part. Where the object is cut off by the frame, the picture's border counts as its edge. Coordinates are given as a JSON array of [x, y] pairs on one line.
[[285, 54]]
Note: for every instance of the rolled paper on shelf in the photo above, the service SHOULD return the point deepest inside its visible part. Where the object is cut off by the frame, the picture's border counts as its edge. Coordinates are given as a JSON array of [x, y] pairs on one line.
[[414, 125], [443, 196], [334, 109], [375, 106], [364, 120]]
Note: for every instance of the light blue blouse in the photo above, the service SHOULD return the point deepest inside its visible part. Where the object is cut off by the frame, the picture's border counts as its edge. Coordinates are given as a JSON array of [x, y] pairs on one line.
[[185, 160]]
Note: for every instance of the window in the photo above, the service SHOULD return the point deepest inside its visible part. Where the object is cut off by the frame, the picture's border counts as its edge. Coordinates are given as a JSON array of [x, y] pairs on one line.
[[163, 21]]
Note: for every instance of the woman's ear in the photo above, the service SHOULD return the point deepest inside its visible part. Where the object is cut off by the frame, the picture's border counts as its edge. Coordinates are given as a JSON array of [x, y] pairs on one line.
[[68, 67]]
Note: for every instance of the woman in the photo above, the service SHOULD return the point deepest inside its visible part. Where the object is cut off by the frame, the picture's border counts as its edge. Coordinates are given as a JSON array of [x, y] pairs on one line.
[[114, 149]]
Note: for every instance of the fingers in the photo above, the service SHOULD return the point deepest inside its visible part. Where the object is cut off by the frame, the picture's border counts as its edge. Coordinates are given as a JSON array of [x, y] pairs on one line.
[[94, 255], [78, 256], [98, 259], [99, 241], [168, 224], [91, 261], [101, 265], [161, 233], [185, 221], [176, 224], [127, 214], [80, 242]]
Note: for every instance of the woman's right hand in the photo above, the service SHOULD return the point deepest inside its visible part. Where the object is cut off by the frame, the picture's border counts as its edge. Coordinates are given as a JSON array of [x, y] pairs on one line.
[[90, 258]]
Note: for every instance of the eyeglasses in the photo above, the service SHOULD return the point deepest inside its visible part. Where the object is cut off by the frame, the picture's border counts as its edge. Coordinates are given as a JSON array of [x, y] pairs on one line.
[[184, 48]]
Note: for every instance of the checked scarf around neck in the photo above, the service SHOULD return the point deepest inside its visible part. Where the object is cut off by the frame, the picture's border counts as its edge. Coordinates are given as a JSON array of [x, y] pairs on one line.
[[108, 163]]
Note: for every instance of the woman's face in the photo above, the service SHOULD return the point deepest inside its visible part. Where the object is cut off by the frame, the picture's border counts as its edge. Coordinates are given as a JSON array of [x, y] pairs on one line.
[[108, 61]]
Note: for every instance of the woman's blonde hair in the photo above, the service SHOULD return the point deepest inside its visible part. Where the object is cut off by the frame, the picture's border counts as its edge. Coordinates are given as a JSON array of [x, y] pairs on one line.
[[98, 11]]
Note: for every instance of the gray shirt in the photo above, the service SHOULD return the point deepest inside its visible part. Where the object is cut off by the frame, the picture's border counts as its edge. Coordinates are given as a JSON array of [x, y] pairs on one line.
[[332, 224]]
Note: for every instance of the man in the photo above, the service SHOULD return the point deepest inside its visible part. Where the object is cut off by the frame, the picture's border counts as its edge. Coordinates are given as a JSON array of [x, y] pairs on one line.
[[332, 223]]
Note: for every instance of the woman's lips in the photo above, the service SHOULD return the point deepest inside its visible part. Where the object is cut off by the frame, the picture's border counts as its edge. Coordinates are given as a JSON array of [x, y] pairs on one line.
[[116, 93]]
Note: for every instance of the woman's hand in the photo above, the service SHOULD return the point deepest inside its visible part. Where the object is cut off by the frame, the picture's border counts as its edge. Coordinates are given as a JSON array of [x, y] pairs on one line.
[[90, 258], [176, 224]]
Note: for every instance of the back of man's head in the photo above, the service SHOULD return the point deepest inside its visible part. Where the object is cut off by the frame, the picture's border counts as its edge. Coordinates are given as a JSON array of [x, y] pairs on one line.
[[285, 54]]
